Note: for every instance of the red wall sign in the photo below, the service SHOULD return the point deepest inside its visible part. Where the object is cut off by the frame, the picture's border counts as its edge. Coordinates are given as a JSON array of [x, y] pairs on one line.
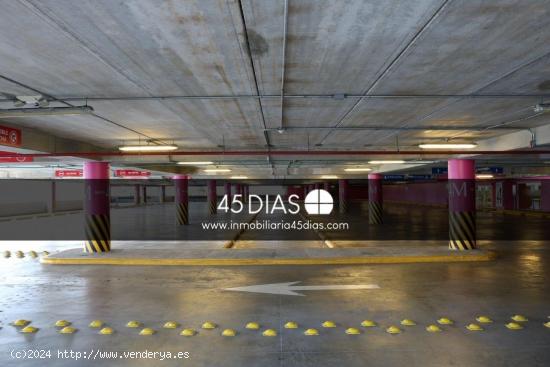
[[68, 173], [131, 173], [15, 159], [10, 136]]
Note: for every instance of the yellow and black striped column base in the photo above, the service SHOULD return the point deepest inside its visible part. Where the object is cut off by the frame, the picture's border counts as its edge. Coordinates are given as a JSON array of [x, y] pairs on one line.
[[212, 207], [98, 233], [343, 206], [462, 230], [375, 213], [182, 214]]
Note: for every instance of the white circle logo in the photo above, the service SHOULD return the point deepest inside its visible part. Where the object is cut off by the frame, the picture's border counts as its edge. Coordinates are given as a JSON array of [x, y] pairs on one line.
[[318, 202]]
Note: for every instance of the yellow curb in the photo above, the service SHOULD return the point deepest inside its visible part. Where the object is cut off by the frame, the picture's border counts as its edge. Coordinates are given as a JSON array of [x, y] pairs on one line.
[[356, 260]]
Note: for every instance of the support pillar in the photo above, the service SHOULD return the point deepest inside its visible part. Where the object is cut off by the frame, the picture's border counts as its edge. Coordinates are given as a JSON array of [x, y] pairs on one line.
[[163, 194], [317, 186], [343, 196], [181, 199], [211, 197], [53, 197], [145, 195], [462, 204], [545, 195], [137, 195], [227, 192], [97, 207], [375, 199], [326, 186], [245, 193]]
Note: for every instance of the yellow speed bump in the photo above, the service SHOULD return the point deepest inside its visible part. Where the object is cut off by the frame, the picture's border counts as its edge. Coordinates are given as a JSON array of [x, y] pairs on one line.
[[19, 254], [106, 331], [33, 254], [329, 324], [474, 327], [547, 324], [519, 318], [433, 328], [7, 254], [311, 332], [29, 330], [352, 331], [514, 326], [147, 331], [445, 321], [170, 325], [62, 323], [408, 322], [209, 325], [188, 332], [67, 330], [484, 319], [96, 324], [368, 323], [269, 332], [393, 330], [252, 326], [229, 332], [291, 325], [133, 324], [21, 322], [45, 253]]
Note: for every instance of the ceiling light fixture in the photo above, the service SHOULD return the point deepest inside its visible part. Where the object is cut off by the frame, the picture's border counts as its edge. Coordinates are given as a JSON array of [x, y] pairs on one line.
[[484, 176], [215, 170], [147, 148], [198, 163], [357, 169], [238, 177], [47, 111], [448, 146], [387, 162], [329, 177]]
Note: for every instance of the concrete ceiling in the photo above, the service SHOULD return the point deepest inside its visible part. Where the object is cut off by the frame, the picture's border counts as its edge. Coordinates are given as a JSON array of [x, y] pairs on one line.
[[122, 55]]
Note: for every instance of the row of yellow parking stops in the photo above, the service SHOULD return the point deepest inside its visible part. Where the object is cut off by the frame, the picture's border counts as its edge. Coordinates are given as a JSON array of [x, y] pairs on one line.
[[65, 327], [20, 254]]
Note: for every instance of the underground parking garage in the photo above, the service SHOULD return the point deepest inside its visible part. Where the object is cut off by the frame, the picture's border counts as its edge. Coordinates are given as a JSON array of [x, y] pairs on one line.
[[274, 183]]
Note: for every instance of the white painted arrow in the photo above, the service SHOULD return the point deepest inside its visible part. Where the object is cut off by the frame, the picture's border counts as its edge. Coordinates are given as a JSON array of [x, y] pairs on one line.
[[288, 289]]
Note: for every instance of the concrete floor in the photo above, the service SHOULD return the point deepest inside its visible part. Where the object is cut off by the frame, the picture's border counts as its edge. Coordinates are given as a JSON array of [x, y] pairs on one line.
[[516, 283]]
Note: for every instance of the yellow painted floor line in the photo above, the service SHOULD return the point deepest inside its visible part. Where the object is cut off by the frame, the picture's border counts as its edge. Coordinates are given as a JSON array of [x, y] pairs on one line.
[[358, 260]]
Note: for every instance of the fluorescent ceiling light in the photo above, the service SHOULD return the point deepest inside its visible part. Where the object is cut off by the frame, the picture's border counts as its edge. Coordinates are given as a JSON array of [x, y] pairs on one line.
[[448, 146], [387, 162], [482, 176], [238, 177], [147, 148], [357, 169], [46, 111], [212, 170], [329, 177], [198, 163]]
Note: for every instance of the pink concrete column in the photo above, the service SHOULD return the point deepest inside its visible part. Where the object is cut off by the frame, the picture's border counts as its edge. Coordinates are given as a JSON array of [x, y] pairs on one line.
[[97, 207], [375, 198], [343, 196], [212, 197], [326, 186], [462, 204], [181, 199]]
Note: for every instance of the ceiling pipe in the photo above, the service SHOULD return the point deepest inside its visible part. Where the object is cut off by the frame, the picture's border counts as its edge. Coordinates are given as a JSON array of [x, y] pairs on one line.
[[281, 153], [299, 96], [283, 62], [401, 128]]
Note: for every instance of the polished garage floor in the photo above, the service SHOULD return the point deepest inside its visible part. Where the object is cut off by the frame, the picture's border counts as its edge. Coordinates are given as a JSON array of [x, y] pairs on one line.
[[517, 283]]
